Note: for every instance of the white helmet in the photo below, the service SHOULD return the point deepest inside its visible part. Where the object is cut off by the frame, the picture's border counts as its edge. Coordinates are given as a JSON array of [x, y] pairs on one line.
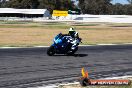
[[71, 29], [72, 32]]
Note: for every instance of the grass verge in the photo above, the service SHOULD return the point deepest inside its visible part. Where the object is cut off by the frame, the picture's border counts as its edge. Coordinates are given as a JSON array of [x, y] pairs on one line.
[[40, 34]]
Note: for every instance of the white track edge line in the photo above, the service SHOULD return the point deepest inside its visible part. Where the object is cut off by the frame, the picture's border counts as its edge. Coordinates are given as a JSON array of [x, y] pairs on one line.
[[79, 45]]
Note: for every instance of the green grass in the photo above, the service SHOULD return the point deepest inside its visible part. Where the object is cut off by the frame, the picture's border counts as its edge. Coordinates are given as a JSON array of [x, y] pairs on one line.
[[49, 25], [85, 24], [13, 22], [45, 26], [33, 25], [39, 34]]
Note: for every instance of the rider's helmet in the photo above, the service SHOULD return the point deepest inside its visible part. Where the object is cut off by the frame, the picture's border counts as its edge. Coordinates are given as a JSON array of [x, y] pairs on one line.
[[71, 31]]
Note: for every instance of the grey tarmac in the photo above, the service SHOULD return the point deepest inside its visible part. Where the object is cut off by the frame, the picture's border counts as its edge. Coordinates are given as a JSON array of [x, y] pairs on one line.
[[29, 67]]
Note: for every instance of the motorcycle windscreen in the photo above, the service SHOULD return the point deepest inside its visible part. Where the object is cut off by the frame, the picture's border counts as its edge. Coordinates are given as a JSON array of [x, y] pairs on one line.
[[59, 42], [58, 36]]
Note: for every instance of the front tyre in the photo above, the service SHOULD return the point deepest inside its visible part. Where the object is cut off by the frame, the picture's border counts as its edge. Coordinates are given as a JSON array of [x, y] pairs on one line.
[[51, 51]]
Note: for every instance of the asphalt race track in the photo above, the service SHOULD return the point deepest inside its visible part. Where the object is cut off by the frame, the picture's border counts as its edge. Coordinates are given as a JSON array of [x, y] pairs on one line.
[[28, 67]]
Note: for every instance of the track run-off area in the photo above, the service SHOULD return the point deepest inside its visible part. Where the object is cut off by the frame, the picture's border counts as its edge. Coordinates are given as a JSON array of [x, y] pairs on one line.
[[29, 67]]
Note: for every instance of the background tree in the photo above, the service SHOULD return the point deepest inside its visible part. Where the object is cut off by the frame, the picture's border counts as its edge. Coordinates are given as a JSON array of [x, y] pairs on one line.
[[128, 9], [95, 6], [56, 4], [130, 1], [29, 4], [87, 6], [3, 3], [48, 4], [118, 9], [14, 4], [0, 4], [41, 4]]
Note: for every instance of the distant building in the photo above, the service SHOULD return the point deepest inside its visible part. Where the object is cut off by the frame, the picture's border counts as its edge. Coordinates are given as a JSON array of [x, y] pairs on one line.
[[29, 13]]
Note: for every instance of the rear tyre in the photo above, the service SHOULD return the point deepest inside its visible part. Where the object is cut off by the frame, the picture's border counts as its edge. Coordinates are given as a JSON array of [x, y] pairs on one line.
[[51, 51]]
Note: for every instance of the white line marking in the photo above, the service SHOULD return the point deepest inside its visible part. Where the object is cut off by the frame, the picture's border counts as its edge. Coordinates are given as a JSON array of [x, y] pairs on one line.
[[79, 45], [121, 77]]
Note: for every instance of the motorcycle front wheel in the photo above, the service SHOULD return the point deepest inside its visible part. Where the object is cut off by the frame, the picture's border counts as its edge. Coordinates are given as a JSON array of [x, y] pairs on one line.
[[51, 51]]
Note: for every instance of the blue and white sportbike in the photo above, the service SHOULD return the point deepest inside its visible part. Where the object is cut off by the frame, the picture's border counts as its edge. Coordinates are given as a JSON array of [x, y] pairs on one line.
[[63, 45]]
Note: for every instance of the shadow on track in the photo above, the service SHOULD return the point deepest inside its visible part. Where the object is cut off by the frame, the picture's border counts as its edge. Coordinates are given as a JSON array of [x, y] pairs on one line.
[[75, 55], [80, 55]]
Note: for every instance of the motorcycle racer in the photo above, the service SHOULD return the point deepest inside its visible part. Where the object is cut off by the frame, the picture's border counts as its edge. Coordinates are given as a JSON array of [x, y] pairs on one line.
[[65, 43], [73, 33], [75, 37]]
